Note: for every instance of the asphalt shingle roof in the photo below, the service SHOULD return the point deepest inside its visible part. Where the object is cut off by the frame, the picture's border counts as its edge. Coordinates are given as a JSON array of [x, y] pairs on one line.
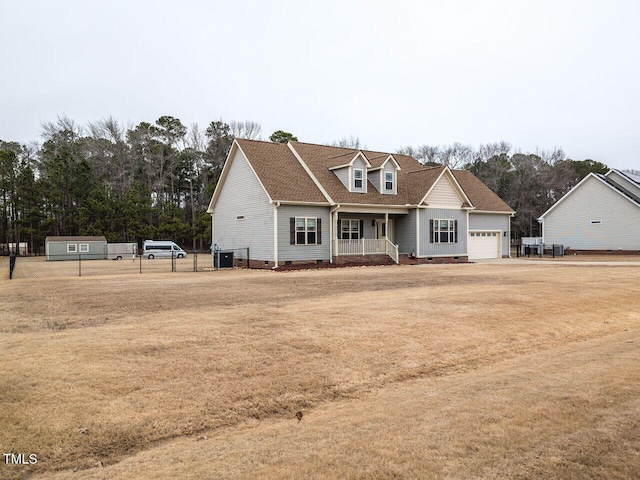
[[286, 180]]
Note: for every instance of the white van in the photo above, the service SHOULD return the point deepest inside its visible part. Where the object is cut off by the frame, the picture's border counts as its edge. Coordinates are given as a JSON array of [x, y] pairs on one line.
[[162, 249]]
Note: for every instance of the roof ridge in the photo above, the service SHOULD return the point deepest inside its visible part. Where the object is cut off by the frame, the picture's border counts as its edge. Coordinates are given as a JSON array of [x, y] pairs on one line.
[[425, 169]]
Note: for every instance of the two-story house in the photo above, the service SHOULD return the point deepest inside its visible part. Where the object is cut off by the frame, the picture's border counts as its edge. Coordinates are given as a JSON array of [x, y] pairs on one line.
[[301, 203]]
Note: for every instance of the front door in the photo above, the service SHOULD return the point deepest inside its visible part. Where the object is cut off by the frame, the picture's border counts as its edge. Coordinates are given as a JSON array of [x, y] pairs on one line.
[[383, 230]]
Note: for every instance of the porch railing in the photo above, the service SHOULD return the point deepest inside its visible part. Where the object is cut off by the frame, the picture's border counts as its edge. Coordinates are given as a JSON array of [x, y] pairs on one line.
[[367, 246], [392, 250]]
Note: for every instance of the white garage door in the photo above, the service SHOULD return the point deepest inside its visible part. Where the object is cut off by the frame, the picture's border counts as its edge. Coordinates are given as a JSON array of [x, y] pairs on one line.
[[483, 245]]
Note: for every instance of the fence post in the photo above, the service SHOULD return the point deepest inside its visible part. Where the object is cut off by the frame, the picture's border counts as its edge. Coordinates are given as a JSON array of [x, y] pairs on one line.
[[173, 260], [79, 264], [140, 263], [248, 259], [12, 265], [195, 261]]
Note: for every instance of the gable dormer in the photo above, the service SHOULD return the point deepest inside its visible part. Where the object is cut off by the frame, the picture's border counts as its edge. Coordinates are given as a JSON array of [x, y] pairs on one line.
[[385, 177], [353, 175]]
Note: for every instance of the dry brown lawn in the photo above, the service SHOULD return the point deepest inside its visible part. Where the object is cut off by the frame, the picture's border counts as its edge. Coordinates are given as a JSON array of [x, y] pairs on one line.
[[468, 371]]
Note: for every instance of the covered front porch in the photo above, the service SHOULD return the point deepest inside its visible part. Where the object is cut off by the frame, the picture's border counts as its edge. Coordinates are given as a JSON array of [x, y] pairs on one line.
[[365, 232]]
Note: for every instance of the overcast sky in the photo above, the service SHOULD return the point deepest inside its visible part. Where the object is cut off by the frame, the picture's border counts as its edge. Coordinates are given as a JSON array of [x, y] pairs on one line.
[[538, 74]]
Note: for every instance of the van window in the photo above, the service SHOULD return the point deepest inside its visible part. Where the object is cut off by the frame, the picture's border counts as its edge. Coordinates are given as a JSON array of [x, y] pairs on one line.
[[158, 247]]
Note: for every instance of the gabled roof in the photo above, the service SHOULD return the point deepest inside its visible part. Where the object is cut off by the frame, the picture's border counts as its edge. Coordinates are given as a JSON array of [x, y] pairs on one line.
[[75, 238], [301, 172], [481, 196], [604, 181]]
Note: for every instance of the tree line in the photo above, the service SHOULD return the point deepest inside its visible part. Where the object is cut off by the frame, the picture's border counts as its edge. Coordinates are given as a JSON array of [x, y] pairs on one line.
[[530, 183], [155, 180]]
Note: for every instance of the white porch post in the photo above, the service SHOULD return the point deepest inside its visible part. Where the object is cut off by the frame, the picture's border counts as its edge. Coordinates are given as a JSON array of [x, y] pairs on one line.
[[333, 232], [386, 226]]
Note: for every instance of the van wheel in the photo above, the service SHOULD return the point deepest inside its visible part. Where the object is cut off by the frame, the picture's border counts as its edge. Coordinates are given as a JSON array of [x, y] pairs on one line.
[[180, 255], [150, 257], [119, 257]]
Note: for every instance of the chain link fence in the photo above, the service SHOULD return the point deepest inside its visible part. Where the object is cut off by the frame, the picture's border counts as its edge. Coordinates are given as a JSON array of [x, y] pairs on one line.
[[82, 265]]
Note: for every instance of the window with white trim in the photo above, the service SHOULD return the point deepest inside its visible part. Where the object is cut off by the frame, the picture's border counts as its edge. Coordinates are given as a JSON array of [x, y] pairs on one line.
[[84, 248], [72, 247], [444, 230], [388, 181], [357, 178], [349, 229], [306, 231]]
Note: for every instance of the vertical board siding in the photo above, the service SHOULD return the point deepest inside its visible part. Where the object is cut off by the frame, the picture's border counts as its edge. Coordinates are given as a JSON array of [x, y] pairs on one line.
[[243, 195], [428, 249], [405, 232], [569, 223], [286, 251], [492, 222], [443, 195]]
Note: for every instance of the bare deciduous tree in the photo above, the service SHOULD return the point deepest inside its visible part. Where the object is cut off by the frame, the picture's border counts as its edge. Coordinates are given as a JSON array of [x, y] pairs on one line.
[[247, 129], [349, 142]]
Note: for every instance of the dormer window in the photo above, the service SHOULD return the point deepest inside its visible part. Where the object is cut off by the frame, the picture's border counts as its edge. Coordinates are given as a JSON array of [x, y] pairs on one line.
[[388, 181], [357, 178]]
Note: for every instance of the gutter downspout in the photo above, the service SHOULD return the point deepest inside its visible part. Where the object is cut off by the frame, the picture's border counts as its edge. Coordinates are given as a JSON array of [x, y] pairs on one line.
[[417, 231], [275, 234], [331, 232]]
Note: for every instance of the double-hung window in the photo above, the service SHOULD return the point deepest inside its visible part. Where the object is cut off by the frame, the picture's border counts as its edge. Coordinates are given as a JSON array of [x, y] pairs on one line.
[[357, 178], [388, 181], [72, 247], [306, 231], [350, 229], [444, 231]]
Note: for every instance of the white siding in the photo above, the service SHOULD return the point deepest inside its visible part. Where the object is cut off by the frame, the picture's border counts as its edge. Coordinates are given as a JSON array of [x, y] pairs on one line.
[[444, 195], [286, 251], [489, 222], [569, 223], [242, 195]]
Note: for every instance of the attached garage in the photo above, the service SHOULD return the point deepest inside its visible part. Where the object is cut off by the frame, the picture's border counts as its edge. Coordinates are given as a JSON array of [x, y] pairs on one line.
[[482, 245]]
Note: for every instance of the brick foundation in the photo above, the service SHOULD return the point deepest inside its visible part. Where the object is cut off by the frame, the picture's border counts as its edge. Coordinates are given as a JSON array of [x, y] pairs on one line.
[[253, 263], [406, 260], [349, 261]]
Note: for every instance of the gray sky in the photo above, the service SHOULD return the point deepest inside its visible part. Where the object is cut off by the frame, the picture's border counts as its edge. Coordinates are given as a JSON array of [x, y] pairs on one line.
[[534, 73]]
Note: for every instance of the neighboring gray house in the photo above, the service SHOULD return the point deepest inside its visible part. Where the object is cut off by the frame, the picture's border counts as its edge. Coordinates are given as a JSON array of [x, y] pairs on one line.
[[72, 248], [301, 203], [601, 214]]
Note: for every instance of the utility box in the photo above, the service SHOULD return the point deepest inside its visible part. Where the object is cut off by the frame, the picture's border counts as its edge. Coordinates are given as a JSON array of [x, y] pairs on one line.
[[224, 257]]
